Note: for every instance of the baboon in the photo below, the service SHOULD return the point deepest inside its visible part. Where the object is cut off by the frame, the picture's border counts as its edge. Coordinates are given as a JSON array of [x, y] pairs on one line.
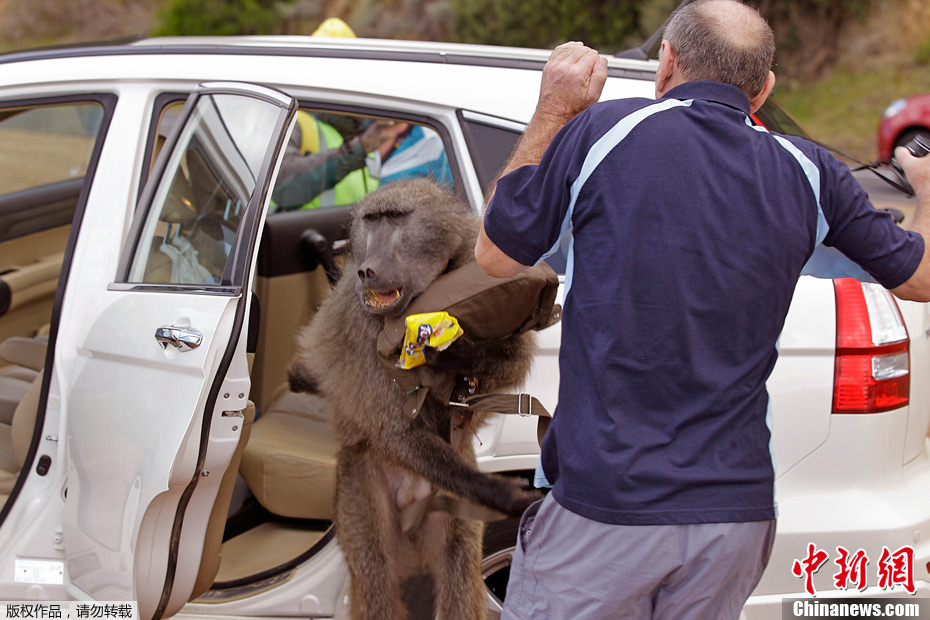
[[402, 237]]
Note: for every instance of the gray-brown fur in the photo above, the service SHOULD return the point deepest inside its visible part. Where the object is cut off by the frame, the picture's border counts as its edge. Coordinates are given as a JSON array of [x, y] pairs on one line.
[[405, 235]]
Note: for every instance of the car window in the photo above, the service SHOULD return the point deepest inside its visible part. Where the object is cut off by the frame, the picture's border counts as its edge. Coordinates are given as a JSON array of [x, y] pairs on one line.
[[199, 200], [775, 118], [45, 151], [490, 146], [491, 142], [334, 159]]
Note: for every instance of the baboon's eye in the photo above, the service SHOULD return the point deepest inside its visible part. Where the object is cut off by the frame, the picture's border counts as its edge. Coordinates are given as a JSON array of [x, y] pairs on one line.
[[391, 214]]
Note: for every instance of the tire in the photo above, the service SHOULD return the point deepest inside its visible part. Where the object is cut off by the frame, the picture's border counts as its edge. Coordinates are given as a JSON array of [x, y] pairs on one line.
[[500, 539]]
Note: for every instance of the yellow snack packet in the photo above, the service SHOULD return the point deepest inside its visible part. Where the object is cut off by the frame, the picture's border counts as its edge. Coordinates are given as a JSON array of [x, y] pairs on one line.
[[436, 329]]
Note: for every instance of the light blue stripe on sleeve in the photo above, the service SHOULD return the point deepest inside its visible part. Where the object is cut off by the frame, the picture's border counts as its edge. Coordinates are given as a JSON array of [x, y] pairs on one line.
[[825, 262]]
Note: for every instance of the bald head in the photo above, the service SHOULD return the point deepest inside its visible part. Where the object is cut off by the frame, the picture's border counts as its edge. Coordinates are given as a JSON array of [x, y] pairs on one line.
[[724, 41]]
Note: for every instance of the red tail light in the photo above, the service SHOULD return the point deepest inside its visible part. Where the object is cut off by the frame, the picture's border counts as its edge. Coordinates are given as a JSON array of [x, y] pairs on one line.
[[872, 371]]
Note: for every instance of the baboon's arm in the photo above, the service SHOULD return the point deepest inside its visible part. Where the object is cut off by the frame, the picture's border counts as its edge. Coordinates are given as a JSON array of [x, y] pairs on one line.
[[498, 364], [301, 378], [431, 457]]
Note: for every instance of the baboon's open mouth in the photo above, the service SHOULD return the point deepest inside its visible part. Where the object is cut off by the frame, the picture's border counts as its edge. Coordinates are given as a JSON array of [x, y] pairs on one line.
[[379, 300]]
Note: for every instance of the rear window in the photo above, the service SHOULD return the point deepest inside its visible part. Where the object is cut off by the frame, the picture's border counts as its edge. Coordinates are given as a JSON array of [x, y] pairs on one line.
[[776, 118], [45, 151]]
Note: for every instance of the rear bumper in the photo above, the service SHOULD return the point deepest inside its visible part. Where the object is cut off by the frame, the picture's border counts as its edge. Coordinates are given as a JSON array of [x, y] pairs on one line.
[[851, 495]]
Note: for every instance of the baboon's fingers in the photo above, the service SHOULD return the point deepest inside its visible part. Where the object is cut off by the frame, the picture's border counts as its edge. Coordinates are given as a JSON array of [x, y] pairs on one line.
[[523, 501], [301, 379]]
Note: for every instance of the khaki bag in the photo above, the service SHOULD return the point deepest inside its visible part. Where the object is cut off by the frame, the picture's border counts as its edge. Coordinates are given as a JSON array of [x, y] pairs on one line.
[[486, 308]]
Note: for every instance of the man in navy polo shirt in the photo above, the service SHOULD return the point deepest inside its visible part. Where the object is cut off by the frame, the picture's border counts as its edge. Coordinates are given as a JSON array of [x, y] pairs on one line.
[[688, 228]]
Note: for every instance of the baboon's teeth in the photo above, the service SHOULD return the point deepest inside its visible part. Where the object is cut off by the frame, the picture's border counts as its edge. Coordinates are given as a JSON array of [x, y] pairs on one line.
[[381, 299]]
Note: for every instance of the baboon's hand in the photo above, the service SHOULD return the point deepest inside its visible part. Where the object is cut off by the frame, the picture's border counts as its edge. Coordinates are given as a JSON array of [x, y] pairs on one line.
[[523, 499], [459, 357], [512, 497], [469, 357]]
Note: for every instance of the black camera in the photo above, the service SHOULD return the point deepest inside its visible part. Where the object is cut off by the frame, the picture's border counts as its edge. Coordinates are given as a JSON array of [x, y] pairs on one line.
[[919, 146]]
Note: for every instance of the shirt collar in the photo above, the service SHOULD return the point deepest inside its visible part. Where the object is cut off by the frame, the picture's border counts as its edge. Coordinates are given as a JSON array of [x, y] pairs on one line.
[[718, 92]]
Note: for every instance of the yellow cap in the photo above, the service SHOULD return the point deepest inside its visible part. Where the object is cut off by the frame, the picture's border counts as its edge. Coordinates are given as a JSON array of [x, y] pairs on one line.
[[333, 27]]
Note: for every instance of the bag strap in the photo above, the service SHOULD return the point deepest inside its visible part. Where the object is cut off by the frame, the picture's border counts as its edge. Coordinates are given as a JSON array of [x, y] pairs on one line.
[[521, 404]]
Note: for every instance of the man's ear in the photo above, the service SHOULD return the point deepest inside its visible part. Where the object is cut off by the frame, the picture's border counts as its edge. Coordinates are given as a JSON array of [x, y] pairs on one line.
[[666, 70], [756, 102]]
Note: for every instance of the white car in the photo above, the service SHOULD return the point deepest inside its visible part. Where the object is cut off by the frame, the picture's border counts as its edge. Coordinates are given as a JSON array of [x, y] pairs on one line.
[[150, 292]]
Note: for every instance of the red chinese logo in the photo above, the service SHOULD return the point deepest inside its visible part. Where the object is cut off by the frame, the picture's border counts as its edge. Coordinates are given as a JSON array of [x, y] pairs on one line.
[[894, 568], [852, 569], [809, 565], [897, 569]]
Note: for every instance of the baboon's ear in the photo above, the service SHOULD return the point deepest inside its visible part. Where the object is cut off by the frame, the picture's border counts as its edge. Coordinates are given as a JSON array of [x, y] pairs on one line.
[[301, 379]]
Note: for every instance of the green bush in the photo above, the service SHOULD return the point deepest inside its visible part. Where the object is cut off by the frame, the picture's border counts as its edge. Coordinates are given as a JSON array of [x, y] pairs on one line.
[[923, 53], [218, 17], [607, 25]]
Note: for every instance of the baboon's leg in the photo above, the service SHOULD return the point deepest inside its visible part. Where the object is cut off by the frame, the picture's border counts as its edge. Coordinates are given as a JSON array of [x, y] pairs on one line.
[[453, 550], [368, 534]]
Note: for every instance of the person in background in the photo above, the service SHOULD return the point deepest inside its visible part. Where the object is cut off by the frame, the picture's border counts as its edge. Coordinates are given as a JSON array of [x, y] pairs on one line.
[[322, 168], [325, 162], [416, 152]]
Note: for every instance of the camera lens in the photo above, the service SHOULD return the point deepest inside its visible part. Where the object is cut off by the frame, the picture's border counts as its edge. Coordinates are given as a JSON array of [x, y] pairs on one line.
[[918, 146]]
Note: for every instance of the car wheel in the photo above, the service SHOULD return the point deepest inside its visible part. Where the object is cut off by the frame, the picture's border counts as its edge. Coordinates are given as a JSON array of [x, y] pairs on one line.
[[909, 135], [500, 539]]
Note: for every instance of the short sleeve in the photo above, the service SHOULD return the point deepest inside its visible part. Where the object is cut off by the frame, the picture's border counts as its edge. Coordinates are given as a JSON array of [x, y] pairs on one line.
[[866, 236], [528, 212]]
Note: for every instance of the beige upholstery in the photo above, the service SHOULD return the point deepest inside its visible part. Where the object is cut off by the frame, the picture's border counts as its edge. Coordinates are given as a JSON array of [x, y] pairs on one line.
[[213, 540], [16, 438], [27, 356], [287, 302], [28, 316], [14, 383], [7, 480], [268, 545], [25, 352], [24, 421], [290, 461], [7, 458]]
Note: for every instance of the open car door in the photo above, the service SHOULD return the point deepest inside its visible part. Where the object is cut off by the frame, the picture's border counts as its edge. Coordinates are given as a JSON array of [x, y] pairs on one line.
[[156, 409]]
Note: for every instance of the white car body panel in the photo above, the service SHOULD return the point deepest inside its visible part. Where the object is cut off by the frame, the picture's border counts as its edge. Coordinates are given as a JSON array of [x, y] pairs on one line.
[[849, 480]]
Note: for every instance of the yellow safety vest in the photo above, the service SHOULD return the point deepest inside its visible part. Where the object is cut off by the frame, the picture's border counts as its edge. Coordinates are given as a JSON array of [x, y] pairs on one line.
[[317, 137]]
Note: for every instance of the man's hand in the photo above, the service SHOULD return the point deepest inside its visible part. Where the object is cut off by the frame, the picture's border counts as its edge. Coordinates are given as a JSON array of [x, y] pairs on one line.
[[380, 133], [917, 171], [572, 80]]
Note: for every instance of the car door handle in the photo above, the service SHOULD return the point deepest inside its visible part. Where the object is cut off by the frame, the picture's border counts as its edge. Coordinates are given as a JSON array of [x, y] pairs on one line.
[[181, 338]]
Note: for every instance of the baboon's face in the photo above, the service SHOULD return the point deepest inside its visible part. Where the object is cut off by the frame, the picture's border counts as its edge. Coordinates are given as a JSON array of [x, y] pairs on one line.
[[399, 253]]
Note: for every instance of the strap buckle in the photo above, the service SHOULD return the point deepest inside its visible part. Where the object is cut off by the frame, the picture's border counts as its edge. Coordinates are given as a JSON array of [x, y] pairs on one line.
[[529, 405]]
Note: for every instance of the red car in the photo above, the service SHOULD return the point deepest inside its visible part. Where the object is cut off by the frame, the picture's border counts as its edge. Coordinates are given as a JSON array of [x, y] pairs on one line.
[[903, 119]]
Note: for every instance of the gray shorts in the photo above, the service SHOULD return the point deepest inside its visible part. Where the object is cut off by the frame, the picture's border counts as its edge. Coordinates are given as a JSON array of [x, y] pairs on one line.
[[567, 567]]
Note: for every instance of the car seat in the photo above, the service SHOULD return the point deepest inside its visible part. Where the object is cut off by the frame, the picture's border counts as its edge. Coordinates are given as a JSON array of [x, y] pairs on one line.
[[289, 463]]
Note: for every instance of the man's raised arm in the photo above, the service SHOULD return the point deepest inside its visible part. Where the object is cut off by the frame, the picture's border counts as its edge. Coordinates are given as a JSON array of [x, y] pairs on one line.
[[572, 80]]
